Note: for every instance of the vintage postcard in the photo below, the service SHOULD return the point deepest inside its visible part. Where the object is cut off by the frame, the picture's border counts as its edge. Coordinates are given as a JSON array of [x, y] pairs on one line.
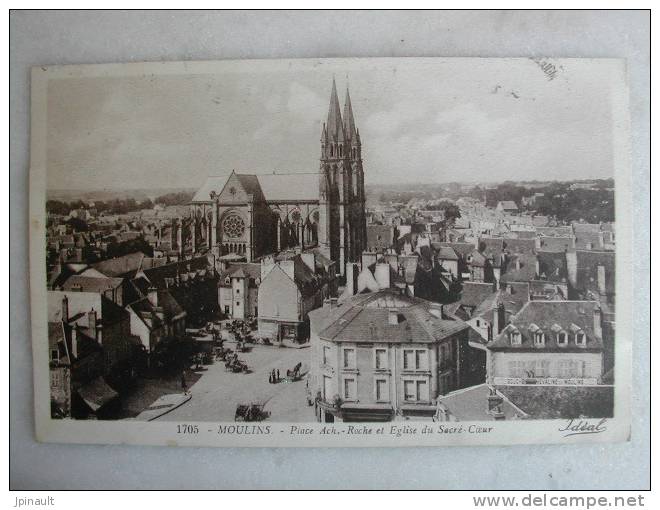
[[344, 252]]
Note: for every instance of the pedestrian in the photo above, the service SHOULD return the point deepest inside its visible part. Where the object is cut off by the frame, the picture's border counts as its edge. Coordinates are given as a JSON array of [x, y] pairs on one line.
[[278, 375], [274, 380], [184, 384], [270, 378]]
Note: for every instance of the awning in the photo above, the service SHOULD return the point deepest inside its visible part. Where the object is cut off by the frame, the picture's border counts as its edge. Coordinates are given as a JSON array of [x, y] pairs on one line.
[[375, 407], [97, 393], [353, 412]]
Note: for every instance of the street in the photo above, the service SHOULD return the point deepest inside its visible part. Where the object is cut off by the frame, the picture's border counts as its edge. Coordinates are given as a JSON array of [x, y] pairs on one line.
[[217, 392]]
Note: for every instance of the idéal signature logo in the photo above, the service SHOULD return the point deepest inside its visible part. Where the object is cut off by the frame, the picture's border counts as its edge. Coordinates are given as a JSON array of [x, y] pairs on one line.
[[575, 427]]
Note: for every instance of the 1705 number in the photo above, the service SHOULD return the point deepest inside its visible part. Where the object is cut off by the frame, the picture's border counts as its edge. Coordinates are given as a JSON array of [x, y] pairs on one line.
[[187, 429]]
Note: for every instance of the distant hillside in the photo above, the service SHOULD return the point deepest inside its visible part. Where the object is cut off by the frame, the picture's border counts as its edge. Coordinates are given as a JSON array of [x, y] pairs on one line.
[[140, 195]]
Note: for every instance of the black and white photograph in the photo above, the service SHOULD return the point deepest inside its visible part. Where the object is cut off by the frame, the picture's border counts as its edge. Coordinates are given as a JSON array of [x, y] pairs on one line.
[[357, 251]]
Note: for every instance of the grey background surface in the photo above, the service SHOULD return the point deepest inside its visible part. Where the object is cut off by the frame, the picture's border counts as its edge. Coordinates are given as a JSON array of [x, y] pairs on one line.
[[42, 38]]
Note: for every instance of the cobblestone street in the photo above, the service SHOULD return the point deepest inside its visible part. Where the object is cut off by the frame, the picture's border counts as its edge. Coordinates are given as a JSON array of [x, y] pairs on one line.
[[217, 392]]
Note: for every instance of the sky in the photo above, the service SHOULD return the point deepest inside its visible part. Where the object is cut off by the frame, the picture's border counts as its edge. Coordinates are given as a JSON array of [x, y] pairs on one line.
[[420, 121]]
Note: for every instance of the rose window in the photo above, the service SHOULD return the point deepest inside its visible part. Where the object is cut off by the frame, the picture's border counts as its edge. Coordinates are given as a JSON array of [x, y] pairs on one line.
[[233, 226]]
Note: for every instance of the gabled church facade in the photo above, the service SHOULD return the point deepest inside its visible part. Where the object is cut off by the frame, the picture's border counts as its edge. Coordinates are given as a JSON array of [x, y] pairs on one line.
[[246, 216]]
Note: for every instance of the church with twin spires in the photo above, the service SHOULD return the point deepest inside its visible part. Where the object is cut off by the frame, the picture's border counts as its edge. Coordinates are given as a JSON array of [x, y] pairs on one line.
[[246, 216]]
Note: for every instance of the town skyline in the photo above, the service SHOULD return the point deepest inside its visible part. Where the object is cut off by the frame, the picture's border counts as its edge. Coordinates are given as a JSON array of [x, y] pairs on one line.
[[134, 129]]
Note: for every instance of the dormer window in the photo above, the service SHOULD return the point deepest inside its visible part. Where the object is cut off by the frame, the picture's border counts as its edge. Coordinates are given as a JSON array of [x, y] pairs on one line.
[[580, 336], [514, 336], [560, 335], [562, 339], [539, 338], [227, 281]]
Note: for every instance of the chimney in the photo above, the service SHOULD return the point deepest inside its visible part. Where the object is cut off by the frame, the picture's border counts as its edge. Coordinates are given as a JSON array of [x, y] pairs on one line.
[[74, 342], [494, 401], [571, 266], [352, 273], [598, 322], [91, 317], [602, 289], [538, 269], [435, 309], [382, 275], [152, 296], [498, 319], [392, 317], [330, 302], [65, 308]]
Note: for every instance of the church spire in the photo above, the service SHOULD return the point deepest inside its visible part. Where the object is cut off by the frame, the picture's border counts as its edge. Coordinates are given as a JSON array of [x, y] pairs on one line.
[[334, 124], [349, 122]]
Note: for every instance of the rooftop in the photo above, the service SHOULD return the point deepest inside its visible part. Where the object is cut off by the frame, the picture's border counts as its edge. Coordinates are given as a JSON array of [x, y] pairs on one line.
[[551, 317], [368, 317]]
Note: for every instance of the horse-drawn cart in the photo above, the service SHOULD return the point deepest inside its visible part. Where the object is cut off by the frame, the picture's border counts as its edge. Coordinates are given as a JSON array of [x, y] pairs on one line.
[[294, 375], [236, 365], [251, 412]]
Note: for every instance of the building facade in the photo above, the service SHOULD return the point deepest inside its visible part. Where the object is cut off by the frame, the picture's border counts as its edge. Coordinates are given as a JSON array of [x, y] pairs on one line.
[[384, 355], [549, 342]]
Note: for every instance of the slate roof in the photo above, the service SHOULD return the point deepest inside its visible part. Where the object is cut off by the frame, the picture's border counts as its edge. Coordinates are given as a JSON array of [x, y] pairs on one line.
[[364, 317], [90, 284], [446, 253], [488, 306], [508, 205], [552, 266], [471, 404], [213, 183], [462, 249], [290, 187], [380, 236], [514, 296], [162, 277], [494, 246], [474, 293], [586, 227], [586, 238], [57, 340], [559, 231], [554, 402], [557, 244], [168, 307], [547, 315], [519, 245], [250, 184], [587, 269], [527, 271], [125, 265], [294, 187], [240, 270]]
